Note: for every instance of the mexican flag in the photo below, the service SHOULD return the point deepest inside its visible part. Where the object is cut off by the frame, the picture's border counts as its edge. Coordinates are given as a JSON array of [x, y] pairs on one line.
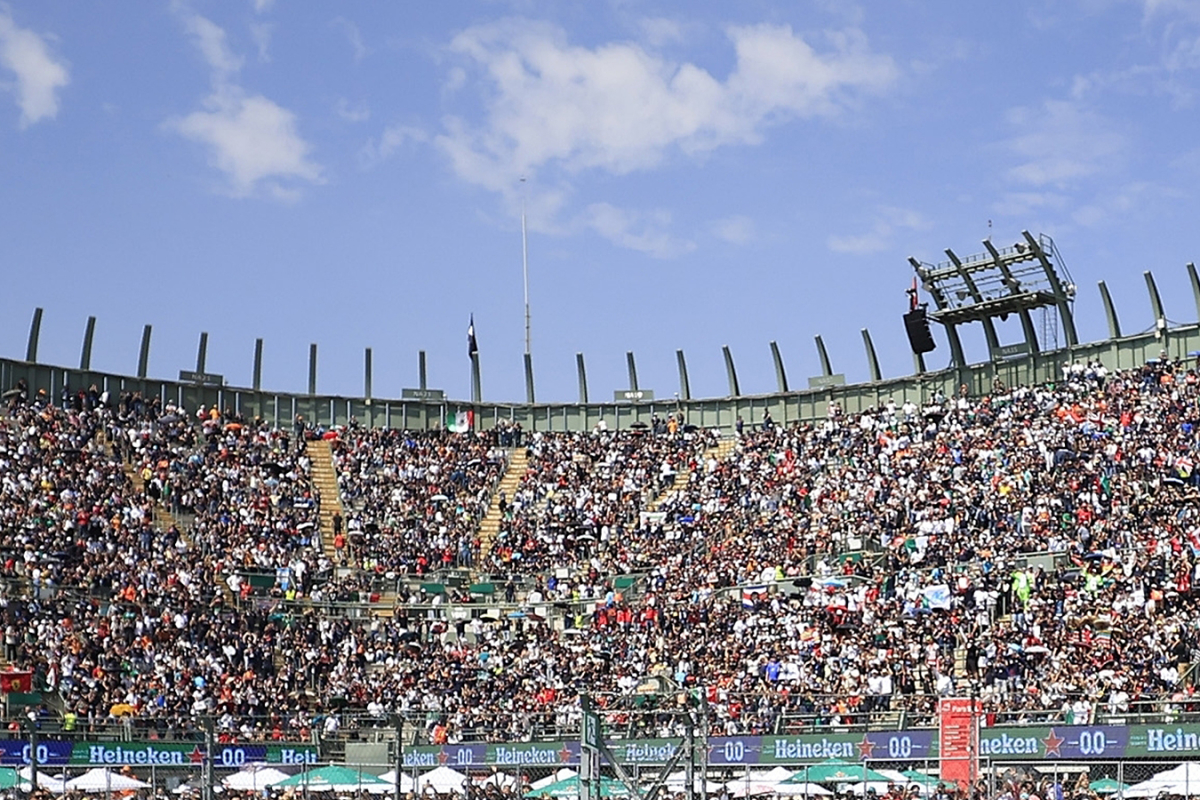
[[460, 421]]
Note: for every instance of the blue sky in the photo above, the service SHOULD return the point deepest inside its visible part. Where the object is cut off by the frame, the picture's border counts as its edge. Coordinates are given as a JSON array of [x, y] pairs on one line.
[[697, 174]]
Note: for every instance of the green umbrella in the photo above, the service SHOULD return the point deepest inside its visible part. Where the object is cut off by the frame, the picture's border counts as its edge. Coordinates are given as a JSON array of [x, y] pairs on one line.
[[836, 771], [335, 779], [1107, 786], [571, 787], [8, 778], [920, 777]]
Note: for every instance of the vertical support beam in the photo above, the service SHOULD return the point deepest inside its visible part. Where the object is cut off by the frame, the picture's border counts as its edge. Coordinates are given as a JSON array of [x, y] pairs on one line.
[[685, 386], [1062, 299], [422, 376], [367, 373], [781, 382], [919, 363], [312, 369], [1195, 281], [989, 327], [956, 349], [35, 331], [872, 360], [579, 368], [144, 353], [1013, 288], [256, 379], [1110, 312], [629, 362], [823, 355], [476, 383], [731, 372], [529, 396], [85, 355], [1155, 299], [202, 352]]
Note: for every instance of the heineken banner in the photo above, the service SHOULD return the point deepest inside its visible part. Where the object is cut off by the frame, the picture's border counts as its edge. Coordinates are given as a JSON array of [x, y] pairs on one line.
[[997, 744], [160, 754], [1040, 743]]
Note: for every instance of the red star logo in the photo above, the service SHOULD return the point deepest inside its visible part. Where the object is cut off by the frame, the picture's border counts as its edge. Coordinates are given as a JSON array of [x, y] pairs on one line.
[[565, 754], [196, 756], [1053, 744], [866, 748], [443, 756]]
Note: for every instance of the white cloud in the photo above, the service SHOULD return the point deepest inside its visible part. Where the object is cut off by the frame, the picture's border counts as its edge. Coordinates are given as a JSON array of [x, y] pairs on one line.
[[737, 229], [1137, 197], [659, 31], [641, 232], [250, 138], [353, 36], [1185, 8], [263, 6], [352, 112], [39, 74], [1060, 143], [260, 32], [393, 138], [1022, 204], [620, 107], [210, 39], [888, 221]]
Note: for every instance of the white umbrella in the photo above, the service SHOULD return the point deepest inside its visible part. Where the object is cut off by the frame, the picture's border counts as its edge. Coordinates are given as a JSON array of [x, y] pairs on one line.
[[677, 782], [443, 780], [744, 788], [1183, 779], [801, 789], [561, 775], [774, 775], [47, 782], [253, 777], [501, 780], [406, 781], [101, 780], [862, 787]]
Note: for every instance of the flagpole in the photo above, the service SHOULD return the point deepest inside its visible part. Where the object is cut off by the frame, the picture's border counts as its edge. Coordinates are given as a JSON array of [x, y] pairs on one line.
[[529, 393], [525, 268]]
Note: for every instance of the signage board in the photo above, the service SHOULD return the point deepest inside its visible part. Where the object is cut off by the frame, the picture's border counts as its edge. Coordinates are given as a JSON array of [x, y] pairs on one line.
[[436, 395], [58, 753], [996, 745], [633, 395], [1011, 350], [821, 381], [201, 378], [958, 739]]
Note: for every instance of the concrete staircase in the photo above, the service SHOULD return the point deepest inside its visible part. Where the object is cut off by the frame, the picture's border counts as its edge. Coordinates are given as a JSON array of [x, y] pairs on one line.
[[160, 516], [324, 479], [720, 452], [489, 527]]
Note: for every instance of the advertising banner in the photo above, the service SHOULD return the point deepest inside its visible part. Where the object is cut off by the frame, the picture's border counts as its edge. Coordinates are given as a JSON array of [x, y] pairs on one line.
[[16, 753], [958, 739], [1013, 743]]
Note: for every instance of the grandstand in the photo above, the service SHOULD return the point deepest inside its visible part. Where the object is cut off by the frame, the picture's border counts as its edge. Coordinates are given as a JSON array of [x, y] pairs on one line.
[[198, 576]]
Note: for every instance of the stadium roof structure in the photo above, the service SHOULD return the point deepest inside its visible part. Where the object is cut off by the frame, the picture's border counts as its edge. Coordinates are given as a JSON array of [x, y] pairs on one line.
[[997, 283], [1026, 277]]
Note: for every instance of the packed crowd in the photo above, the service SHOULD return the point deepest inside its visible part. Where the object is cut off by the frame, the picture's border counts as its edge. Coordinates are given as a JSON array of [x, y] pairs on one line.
[[582, 492], [1034, 547], [414, 502]]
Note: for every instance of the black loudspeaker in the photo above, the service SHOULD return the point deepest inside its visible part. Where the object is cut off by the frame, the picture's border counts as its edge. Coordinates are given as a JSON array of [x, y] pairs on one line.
[[916, 324]]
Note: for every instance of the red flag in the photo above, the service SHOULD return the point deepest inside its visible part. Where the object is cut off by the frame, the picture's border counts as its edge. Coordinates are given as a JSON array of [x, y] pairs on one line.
[[13, 681]]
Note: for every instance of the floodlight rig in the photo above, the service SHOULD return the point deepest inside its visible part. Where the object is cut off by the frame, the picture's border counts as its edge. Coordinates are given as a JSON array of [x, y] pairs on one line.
[[997, 283]]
